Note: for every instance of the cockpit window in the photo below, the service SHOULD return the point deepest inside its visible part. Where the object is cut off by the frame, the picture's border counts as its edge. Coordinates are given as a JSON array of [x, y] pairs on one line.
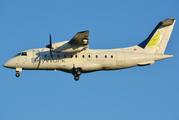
[[17, 54], [21, 54], [24, 54]]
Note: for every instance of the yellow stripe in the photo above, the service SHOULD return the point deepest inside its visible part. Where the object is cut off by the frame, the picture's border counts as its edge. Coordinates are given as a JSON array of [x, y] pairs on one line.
[[154, 41]]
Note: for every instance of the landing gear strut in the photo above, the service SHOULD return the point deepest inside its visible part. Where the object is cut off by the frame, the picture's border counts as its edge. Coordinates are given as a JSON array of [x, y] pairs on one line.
[[18, 71], [77, 73]]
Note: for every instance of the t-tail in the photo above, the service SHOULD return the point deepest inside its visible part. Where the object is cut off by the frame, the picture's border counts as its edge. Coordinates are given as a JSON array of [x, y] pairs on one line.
[[158, 39]]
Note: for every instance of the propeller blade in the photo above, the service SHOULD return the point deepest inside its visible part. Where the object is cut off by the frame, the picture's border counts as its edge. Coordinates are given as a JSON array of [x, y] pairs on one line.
[[50, 45], [50, 41]]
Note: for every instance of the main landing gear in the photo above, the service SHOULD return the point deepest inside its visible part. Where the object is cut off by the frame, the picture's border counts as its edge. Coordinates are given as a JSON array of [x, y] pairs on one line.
[[77, 73]]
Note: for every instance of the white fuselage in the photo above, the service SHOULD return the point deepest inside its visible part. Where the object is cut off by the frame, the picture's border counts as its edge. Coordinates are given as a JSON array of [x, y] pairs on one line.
[[74, 56], [89, 60]]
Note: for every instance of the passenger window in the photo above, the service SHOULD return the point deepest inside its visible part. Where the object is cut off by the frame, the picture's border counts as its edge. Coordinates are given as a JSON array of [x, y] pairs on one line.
[[105, 56], [96, 56], [58, 56], [83, 56], [89, 56], [45, 56], [76, 56], [71, 56], [64, 56], [111, 56]]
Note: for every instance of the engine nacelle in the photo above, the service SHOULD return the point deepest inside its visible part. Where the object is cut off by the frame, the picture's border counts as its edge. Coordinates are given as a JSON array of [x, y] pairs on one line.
[[66, 47]]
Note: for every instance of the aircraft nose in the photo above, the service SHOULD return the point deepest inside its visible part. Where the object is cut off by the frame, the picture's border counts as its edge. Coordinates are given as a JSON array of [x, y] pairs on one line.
[[8, 64]]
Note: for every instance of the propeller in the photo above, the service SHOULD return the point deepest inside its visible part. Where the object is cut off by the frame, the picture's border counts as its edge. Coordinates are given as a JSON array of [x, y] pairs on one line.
[[50, 45]]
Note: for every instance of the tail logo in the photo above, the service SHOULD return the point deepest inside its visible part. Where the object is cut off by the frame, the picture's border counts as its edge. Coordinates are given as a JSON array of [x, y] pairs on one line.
[[154, 42]]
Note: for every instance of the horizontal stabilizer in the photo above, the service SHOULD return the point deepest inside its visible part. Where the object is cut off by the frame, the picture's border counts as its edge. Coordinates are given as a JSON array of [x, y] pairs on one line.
[[161, 57]]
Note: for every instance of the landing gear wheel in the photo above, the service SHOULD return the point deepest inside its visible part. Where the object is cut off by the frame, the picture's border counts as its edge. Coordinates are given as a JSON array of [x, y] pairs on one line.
[[17, 74], [78, 73], [76, 78]]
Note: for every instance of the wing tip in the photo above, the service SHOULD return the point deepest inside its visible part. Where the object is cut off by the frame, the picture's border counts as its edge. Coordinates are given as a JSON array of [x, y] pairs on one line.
[[84, 31], [168, 21]]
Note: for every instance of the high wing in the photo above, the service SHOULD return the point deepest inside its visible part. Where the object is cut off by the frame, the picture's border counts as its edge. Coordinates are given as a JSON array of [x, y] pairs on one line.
[[78, 43], [81, 38]]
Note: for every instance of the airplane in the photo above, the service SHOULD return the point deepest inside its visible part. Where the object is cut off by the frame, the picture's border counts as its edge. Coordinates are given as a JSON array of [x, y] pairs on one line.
[[75, 57]]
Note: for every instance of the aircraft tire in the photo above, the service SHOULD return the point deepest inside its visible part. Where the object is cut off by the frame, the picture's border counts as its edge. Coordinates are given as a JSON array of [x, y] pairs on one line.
[[76, 78], [78, 72], [17, 74]]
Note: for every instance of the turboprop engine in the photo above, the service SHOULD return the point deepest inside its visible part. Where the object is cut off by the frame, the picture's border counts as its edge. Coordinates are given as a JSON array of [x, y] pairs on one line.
[[66, 47], [78, 43]]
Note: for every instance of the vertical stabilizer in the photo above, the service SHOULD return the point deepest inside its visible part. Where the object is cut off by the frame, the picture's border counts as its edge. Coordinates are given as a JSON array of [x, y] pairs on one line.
[[158, 39]]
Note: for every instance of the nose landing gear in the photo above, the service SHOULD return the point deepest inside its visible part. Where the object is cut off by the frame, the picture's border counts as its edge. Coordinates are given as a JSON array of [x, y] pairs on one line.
[[18, 71], [17, 74]]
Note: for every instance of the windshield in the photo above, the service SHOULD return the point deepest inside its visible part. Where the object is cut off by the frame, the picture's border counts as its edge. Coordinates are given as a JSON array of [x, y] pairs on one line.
[[21, 54], [24, 54], [17, 54]]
